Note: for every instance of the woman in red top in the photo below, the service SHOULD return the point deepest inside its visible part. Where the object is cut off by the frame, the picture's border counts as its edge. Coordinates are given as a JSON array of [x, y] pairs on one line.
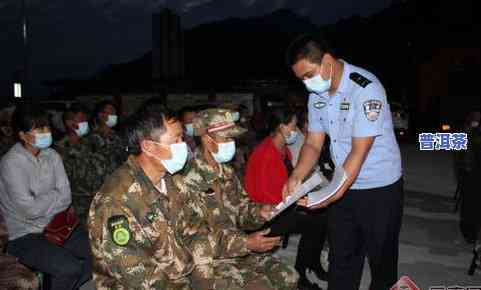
[[267, 171]]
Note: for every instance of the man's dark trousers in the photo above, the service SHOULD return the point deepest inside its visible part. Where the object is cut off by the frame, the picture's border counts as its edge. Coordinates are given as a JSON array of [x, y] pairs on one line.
[[365, 222]]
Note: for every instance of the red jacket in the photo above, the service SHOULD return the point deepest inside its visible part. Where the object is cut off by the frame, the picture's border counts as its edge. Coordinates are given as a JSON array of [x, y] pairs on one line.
[[266, 173]]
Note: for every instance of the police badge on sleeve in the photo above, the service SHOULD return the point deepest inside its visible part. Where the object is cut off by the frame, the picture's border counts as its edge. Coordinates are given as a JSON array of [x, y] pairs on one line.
[[372, 109]]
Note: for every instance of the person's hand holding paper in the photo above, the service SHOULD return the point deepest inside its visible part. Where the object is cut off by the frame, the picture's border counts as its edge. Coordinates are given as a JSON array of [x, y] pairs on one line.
[[328, 194], [300, 191], [266, 212]]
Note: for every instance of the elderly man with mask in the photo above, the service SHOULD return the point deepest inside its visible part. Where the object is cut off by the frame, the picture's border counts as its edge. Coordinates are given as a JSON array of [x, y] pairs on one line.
[[246, 261]]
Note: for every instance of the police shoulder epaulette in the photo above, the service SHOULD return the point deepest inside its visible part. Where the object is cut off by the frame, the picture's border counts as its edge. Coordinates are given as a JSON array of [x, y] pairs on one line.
[[359, 79]]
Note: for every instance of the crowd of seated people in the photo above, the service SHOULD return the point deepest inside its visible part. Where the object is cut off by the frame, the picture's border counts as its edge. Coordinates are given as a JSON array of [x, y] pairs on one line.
[[42, 179], [34, 188]]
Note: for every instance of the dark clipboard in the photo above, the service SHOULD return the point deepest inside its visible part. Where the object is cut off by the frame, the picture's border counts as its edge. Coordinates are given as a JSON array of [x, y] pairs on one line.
[[282, 224]]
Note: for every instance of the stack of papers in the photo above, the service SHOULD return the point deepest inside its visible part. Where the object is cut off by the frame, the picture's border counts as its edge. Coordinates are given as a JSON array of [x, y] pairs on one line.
[[315, 197], [338, 179], [301, 191]]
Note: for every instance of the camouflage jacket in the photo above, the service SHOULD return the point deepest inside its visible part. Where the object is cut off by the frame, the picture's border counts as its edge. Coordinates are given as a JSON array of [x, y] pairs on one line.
[[85, 168], [226, 208], [112, 147], [137, 233]]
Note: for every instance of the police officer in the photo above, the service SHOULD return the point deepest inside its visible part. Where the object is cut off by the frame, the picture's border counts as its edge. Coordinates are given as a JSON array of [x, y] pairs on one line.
[[349, 104]]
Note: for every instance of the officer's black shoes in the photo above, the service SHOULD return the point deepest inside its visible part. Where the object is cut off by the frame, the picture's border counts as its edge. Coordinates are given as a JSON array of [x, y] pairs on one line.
[[304, 284]]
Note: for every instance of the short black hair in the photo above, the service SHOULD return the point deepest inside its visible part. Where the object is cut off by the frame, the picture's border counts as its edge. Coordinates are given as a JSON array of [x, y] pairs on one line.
[[310, 47], [28, 117], [70, 113], [100, 107], [184, 110], [278, 116], [148, 124]]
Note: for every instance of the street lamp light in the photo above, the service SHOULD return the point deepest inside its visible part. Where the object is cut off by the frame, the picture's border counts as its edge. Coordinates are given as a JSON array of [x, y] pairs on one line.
[[17, 90]]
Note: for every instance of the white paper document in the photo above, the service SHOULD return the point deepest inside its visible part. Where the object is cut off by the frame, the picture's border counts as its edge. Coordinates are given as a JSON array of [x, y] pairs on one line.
[[301, 191], [319, 196]]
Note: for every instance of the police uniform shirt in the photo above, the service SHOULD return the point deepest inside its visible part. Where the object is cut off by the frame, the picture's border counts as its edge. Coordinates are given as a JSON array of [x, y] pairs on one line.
[[359, 108]]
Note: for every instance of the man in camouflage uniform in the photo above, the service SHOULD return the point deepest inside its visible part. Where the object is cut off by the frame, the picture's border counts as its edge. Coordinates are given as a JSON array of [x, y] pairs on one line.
[[105, 140], [138, 220], [13, 275], [245, 263], [85, 168]]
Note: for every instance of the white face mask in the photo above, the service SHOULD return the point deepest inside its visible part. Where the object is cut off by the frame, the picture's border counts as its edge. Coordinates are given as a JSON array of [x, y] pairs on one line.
[[179, 153], [83, 129], [112, 121], [42, 140], [189, 129], [225, 152], [292, 138], [235, 116], [317, 84], [474, 124]]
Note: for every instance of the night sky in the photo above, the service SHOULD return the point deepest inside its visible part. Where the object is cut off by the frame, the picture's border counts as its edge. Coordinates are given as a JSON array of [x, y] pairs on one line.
[[76, 38]]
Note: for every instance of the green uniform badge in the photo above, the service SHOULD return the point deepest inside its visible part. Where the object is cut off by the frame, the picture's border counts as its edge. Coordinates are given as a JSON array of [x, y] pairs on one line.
[[119, 229]]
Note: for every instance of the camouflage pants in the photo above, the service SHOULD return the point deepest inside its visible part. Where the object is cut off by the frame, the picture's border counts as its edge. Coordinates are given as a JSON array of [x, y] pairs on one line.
[[15, 276], [181, 284], [107, 284], [256, 271]]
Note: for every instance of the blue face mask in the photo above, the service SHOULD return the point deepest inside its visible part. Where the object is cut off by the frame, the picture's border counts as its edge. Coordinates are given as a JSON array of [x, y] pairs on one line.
[[292, 138], [83, 129], [42, 140], [235, 116], [189, 129], [225, 152], [112, 121], [318, 85]]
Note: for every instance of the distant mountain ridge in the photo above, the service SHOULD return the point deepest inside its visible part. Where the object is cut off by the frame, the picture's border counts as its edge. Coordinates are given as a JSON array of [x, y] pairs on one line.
[[282, 20]]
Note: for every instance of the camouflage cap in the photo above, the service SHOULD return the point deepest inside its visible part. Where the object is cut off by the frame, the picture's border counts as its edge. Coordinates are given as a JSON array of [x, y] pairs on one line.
[[217, 121]]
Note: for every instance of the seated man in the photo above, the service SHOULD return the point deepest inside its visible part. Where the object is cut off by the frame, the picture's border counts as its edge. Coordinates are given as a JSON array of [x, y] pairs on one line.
[[105, 139], [246, 263], [138, 218], [85, 168], [13, 275]]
